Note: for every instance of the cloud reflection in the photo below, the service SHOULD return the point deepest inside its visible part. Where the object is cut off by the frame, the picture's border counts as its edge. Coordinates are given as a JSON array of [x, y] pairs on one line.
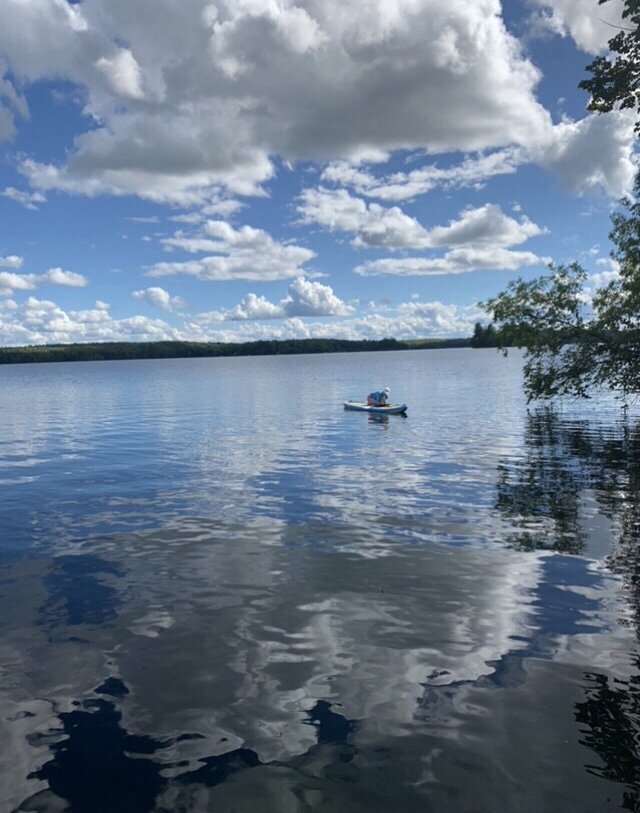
[[263, 630]]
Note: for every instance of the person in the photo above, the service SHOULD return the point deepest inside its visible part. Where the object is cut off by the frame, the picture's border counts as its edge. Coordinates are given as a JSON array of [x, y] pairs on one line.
[[379, 398]]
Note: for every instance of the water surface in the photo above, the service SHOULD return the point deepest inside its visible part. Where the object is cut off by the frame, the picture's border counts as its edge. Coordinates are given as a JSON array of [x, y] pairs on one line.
[[221, 591]]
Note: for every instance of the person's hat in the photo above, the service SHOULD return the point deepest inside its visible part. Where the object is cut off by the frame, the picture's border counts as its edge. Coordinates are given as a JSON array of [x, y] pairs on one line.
[[387, 391]]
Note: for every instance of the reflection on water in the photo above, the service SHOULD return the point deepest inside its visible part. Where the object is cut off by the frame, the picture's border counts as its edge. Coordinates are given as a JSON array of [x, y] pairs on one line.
[[301, 609], [77, 594], [570, 469], [566, 462], [609, 719], [98, 766]]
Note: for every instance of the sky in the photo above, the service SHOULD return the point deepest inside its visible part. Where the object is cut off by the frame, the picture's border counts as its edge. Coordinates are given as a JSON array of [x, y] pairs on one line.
[[233, 170]]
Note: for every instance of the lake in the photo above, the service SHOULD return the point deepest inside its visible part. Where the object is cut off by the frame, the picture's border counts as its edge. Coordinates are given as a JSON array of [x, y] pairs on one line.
[[222, 592]]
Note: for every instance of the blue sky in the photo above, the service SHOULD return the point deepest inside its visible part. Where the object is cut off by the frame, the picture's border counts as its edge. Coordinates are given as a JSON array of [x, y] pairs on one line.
[[244, 169]]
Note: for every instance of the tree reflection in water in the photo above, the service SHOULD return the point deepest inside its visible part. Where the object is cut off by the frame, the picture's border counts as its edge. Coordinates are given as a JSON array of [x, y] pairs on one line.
[[610, 725], [543, 494]]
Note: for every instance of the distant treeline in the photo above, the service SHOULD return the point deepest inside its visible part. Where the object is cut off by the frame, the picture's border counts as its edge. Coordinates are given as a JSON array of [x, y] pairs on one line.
[[111, 351]]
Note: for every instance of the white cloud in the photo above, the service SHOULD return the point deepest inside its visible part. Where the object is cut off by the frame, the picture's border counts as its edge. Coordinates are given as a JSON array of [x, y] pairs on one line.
[[590, 25], [38, 321], [151, 219], [380, 227], [122, 74], [373, 224], [254, 307], [27, 199], [441, 319], [159, 298], [600, 279], [243, 253], [222, 208], [407, 321], [592, 154], [472, 171], [10, 281], [589, 156], [611, 272], [205, 91], [190, 101], [57, 276], [12, 261], [192, 218], [456, 261], [484, 225], [307, 298], [11, 103], [154, 181], [304, 298]]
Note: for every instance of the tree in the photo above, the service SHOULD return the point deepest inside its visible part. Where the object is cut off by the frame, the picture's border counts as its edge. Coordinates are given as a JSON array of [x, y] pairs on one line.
[[484, 336], [615, 82], [578, 340]]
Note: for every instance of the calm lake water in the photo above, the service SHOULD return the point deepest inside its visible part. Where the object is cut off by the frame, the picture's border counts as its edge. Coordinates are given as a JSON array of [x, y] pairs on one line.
[[222, 592]]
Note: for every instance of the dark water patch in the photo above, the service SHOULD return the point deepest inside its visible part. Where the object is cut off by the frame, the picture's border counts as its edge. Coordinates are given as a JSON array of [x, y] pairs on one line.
[[113, 687], [79, 593], [97, 767]]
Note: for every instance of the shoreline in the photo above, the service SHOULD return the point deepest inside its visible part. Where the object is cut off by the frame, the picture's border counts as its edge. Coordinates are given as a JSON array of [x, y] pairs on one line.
[[121, 351]]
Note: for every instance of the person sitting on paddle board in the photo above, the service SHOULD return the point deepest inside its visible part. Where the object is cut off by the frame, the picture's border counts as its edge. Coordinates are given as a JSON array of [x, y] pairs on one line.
[[379, 399]]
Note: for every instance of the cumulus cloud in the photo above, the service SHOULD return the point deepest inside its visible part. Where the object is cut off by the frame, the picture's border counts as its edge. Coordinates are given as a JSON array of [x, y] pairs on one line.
[[590, 25], [592, 154], [12, 261], [380, 227], [10, 281], [242, 253], [122, 74], [254, 307], [58, 276], [205, 91], [407, 321], [38, 321], [484, 225], [304, 298], [373, 224], [589, 156], [159, 298], [155, 181], [456, 261]]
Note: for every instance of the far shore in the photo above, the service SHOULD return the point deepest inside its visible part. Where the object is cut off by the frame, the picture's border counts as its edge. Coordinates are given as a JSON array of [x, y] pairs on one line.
[[111, 351]]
